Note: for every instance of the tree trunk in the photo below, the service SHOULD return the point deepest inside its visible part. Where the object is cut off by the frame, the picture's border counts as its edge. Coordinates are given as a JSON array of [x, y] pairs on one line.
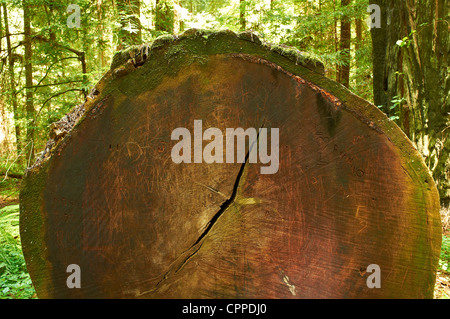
[[336, 42], [343, 74], [242, 8], [1, 31], [102, 47], [164, 16], [346, 189], [179, 23], [130, 32], [411, 78], [358, 31], [29, 103], [12, 82]]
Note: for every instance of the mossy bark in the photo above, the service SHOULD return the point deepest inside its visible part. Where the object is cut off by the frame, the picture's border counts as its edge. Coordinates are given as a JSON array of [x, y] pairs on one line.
[[415, 72]]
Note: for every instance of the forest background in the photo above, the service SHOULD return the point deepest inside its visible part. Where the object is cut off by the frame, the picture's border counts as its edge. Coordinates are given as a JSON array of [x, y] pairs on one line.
[[52, 53]]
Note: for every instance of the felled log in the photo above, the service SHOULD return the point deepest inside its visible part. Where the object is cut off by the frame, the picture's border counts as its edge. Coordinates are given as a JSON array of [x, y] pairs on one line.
[[350, 195], [11, 174]]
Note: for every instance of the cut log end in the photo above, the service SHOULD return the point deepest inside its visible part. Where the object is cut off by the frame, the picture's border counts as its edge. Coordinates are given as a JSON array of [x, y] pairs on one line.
[[342, 207]]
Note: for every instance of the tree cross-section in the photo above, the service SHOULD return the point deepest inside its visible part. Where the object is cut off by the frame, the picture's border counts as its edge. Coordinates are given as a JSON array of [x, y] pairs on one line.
[[350, 191]]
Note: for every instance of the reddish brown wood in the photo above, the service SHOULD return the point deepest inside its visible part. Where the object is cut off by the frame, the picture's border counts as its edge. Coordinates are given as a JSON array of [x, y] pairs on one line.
[[351, 190]]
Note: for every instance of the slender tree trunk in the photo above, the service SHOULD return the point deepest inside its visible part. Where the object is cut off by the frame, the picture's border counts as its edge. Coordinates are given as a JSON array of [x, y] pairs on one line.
[[343, 75], [336, 43], [1, 29], [358, 40], [101, 48], [130, 25], [416, 71], [29, 103], [178, 21], [164, 16], [83, 58], [358, 31], [242, 22], [156, 17], [2, 106], [381, 39], [12, 81]]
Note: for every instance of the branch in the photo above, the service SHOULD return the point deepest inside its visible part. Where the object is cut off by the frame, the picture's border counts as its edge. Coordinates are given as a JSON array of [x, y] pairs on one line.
[[10, 34], [51, 65], [51, 97], [6, 174], [12, 175], [12, 49], [51, 84], [44, 39], [80, 54]]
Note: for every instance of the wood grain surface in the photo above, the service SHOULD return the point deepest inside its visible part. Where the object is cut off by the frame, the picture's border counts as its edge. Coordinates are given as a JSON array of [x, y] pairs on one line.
[[350, 191]]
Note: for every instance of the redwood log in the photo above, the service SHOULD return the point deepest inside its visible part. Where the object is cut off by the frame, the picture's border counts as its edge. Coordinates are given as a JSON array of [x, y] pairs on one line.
[[350, 192]]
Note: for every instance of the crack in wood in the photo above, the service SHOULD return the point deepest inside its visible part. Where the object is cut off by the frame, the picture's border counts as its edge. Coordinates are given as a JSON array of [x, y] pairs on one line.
[[191, 251]]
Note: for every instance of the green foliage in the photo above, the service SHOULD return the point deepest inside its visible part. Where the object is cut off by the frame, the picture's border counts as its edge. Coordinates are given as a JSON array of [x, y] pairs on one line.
[[444, 262], [164, 17], [15, 281], [396, 103], [406, 41], [393, 110]]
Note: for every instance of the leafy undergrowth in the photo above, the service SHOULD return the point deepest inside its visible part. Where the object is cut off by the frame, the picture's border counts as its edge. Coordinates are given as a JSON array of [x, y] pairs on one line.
[[15, 282], [442, 287]]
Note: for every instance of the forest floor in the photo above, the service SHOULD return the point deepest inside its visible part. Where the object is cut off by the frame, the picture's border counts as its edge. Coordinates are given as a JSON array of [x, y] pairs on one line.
[[16, 283], [8, 201], [8, 197], [442, 287]]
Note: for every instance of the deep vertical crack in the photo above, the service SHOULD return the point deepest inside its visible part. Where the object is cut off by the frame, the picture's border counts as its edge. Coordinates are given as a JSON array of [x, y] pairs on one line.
[[225, 204], [195, 247], [229, 201]]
